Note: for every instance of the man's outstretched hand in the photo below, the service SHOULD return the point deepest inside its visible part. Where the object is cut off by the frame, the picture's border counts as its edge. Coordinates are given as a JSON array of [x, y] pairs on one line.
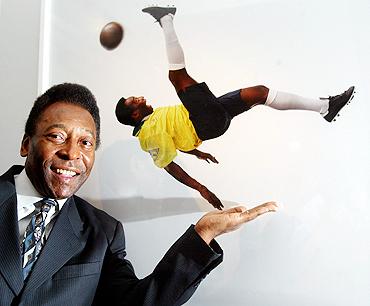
[[210, 197], [216, 223]]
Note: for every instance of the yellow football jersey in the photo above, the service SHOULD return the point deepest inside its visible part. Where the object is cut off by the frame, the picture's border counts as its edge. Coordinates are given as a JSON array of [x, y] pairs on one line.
[[167, 130]]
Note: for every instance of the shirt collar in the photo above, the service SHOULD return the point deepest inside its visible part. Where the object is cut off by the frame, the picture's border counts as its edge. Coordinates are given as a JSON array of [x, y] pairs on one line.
[[27, 195], [137, 127]]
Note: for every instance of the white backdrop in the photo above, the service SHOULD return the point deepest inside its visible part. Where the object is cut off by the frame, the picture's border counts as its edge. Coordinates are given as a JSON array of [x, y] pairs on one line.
[[315, 250], [19, 71]]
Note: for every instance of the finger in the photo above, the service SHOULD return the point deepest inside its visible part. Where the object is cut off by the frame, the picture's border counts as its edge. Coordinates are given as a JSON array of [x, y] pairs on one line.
[[272, 205], [259, 210], [217, 203], [237, 209], [217, 206], [220, 203], [262, 209]]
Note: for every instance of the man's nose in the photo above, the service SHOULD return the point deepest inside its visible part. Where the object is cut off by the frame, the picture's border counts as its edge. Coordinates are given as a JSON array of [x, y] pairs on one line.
[[70, 151]]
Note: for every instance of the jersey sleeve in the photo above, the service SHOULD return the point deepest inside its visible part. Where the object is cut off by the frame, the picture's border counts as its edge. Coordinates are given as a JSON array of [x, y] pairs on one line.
[[161, 148]]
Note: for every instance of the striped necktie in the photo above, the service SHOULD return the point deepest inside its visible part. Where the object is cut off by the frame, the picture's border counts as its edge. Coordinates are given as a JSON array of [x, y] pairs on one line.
[[34, 234]]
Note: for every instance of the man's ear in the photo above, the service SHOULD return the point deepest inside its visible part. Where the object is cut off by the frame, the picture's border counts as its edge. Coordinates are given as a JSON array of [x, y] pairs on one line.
[[25, 145], [135, 115]]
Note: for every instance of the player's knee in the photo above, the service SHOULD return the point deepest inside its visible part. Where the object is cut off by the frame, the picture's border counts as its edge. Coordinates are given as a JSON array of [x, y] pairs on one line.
[[255, 95], [180, 79], [174, 78], [262, 88], [262, 93]]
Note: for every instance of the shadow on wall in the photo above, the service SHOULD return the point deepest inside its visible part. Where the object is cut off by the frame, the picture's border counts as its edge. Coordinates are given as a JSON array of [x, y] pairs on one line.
[[132, 188], [140, 209]]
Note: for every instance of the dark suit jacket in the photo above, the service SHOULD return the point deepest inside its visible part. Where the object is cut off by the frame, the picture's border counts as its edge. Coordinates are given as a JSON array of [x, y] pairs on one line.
[[83, 261]]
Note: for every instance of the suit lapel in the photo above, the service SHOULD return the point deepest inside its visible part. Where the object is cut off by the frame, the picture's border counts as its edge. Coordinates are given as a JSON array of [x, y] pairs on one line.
[[10, 265], [64, 242]]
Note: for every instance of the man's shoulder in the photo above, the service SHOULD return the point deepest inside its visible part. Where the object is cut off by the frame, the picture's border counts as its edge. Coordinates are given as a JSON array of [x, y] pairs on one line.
[[162, 119], [89, 208], [9, 174], [93, 215], [7, 187], [7, 179], [169, 108]]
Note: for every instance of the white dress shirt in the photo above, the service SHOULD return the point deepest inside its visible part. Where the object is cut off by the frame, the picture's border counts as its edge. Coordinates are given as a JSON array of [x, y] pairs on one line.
[[27, 196]]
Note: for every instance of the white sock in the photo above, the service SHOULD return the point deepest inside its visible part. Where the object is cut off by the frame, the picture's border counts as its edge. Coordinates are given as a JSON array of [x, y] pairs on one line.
[[284, 101], [175, 54]]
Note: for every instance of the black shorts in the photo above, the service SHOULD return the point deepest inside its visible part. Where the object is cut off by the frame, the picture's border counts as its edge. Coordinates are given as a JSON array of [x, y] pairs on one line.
[[211, 116]]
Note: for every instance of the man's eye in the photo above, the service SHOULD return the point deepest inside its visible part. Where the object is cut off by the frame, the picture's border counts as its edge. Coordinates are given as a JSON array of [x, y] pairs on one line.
[[56, 137], [87, 143]]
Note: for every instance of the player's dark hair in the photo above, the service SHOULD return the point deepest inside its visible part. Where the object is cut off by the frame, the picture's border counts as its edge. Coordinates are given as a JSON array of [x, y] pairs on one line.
[[124, 112], [69, 93]]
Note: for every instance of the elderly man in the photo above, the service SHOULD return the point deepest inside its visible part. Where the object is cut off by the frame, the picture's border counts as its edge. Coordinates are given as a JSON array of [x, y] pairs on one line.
[[57, 249]]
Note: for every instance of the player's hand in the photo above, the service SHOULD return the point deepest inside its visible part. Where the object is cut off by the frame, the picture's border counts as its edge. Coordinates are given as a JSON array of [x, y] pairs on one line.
[[207, 157], [211, 197], [216, 222]]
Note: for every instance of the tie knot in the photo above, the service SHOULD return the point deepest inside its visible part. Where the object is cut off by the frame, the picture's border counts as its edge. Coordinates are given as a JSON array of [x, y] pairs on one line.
[[47, 203]]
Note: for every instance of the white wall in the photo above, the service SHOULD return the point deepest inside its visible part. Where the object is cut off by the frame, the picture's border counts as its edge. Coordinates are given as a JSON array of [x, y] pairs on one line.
[[315, 250], [19, 61]]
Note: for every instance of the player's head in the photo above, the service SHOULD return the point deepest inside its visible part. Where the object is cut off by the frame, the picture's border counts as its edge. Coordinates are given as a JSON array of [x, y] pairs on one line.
[[69, 93], [132, 110]]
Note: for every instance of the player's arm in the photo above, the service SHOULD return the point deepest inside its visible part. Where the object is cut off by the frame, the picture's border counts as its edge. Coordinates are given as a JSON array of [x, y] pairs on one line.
[[179, 174], [202, 155]]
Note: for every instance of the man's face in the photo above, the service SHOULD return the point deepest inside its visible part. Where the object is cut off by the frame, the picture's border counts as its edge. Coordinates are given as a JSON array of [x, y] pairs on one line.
[[61, 153], [138, 105]]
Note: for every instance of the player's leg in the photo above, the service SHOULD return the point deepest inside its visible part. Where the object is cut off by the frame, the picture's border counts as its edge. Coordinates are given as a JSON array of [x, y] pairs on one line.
[[260, 94], [254, 95], [175, 54], [327, 107], [209, 118]]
